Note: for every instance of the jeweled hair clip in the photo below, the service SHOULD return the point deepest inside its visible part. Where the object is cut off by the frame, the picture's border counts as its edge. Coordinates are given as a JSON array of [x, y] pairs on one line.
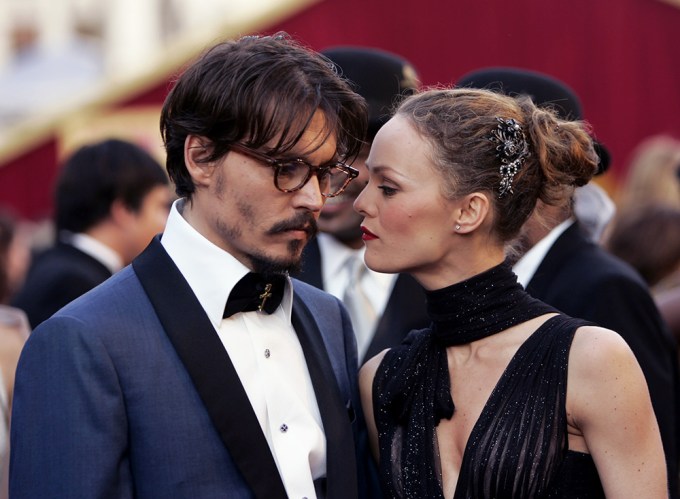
[[512, 149]]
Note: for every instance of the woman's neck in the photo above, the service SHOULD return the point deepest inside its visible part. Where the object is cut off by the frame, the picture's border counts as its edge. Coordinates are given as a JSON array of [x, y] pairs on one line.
[[480, 306], [458, 268]]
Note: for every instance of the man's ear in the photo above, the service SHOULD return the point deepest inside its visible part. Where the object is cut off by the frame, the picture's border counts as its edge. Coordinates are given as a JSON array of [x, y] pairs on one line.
[[473, 209], [197, 152]]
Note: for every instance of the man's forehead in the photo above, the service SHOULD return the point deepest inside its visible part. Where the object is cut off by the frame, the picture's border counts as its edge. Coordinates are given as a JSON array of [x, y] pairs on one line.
[[315, 139]]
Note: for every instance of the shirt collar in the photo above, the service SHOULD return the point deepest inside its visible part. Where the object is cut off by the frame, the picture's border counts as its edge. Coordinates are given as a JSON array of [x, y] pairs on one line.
[[213, 274], [526, 267], [96, 249]]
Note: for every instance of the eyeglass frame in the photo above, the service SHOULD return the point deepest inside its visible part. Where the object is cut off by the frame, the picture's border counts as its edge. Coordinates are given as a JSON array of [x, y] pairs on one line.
[[277, 164]]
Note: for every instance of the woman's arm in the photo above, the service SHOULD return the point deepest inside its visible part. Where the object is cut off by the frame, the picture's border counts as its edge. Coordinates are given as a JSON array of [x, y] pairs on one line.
[[366, 376], [608, 401]]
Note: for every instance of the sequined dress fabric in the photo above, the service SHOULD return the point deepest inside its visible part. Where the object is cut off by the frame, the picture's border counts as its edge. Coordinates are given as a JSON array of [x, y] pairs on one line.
[[518, 447]]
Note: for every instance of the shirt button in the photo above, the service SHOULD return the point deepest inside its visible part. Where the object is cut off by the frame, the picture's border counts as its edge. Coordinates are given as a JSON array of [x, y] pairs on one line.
[[267, 353], [283, 428]]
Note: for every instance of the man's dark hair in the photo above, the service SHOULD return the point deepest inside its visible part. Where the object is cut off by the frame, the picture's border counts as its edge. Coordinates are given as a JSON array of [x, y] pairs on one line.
[[256, 90], [98, 174]]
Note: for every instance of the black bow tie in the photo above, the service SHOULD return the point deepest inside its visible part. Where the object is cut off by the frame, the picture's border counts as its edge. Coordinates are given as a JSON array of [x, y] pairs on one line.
[[255, 292]]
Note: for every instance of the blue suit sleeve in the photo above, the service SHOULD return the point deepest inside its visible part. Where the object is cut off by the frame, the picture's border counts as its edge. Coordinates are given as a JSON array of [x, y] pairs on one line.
[[69, 430]]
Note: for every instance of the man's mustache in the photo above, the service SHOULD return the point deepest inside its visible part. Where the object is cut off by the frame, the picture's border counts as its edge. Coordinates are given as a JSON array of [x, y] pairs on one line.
[[303, 221]]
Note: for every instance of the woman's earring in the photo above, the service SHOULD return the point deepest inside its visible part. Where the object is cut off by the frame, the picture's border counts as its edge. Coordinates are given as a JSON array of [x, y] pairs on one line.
[[457, 227]]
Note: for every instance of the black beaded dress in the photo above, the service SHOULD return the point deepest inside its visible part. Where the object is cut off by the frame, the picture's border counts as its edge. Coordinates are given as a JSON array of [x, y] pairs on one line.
[[518, 448]]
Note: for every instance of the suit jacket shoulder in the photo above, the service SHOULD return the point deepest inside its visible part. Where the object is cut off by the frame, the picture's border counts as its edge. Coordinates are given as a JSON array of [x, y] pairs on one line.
[[104, 368]]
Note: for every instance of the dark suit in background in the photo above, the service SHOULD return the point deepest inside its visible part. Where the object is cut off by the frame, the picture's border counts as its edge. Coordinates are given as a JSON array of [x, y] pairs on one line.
[[58, 276], [583, 280], [406, 307]]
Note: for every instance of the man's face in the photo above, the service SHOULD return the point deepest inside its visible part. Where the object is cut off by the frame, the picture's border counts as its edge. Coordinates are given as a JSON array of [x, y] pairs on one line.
[[237, 206], [338, 217]]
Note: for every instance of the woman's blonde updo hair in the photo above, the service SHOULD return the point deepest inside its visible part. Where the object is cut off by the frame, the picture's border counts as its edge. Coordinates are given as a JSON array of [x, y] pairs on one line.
[[458, 123]]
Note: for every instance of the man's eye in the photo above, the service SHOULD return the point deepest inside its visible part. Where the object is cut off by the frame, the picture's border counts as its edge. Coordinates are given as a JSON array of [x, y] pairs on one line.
[[290, 169]]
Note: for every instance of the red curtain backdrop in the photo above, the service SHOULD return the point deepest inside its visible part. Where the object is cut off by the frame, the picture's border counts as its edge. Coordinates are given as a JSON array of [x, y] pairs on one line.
[[620, 56]]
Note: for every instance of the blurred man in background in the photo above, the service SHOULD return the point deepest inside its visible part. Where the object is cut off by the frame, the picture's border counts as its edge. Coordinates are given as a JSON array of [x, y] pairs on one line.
[[111, 198]]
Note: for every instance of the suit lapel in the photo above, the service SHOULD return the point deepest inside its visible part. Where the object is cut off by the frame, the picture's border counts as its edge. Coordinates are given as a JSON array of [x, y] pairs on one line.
[[340, 452], [208, 364]]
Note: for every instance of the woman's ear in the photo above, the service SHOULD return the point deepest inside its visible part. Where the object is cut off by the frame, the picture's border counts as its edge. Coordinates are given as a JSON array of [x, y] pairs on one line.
[[196, 158], [471, 213]]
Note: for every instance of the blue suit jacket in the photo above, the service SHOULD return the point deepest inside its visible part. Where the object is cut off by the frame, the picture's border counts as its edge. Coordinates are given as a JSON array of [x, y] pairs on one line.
[[128, 392]]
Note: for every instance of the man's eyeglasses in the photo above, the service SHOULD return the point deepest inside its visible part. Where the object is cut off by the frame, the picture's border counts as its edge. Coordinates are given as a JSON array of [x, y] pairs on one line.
[[291, 175]]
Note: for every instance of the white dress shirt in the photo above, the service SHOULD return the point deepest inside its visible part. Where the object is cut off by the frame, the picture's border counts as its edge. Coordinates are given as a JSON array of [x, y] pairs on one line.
[[526, 267], [265, 352], [377, 286]]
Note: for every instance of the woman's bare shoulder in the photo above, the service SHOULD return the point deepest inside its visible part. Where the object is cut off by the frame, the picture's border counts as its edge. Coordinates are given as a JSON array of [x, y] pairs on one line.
[[367, 371], [596, 349]]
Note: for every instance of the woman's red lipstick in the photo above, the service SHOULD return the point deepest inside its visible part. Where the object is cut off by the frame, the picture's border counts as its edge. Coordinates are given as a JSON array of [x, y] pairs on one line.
[[367, 234]]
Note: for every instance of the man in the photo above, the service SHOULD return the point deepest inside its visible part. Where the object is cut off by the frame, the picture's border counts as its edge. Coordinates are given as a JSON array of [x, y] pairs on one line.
[[111, 198], [383, 307], [202, 370], [563, 267]]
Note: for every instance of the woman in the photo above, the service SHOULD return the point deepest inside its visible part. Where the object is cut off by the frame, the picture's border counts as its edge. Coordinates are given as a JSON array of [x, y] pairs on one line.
[[482, 404]]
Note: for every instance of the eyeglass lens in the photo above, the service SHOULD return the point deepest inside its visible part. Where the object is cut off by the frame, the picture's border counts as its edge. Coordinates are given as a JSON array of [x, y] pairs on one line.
[[294, 174]]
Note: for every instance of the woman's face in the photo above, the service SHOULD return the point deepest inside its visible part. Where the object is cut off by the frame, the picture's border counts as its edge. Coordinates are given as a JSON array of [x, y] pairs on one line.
[[408, 224]]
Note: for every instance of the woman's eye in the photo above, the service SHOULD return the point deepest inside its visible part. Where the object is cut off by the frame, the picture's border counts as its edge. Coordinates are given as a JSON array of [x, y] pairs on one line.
[[387, 191]]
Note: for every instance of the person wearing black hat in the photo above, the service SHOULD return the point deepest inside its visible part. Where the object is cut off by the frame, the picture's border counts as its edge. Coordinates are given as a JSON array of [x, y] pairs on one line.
[[559, 265], [383, 307]]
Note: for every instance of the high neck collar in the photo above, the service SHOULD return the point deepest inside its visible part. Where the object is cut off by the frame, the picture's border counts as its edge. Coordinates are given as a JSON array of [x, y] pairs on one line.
[[481, 306]]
